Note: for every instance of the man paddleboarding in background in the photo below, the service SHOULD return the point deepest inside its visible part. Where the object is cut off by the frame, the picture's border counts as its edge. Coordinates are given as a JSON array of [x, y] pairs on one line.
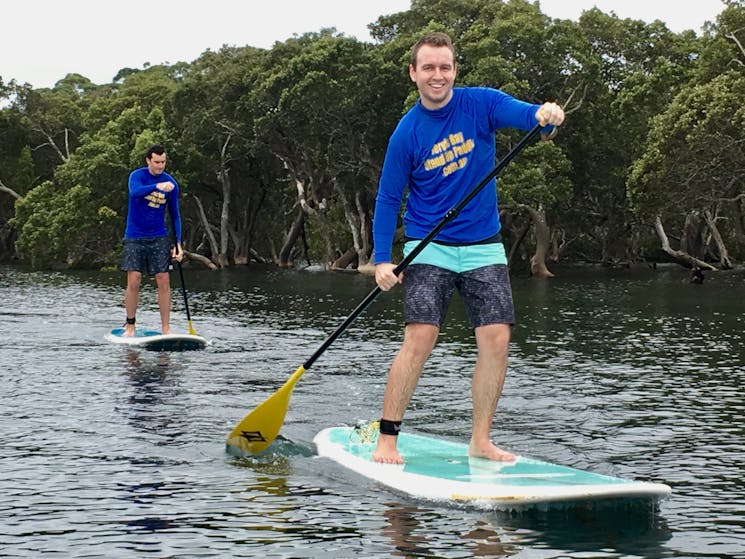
[[147, 245], [440, 150]]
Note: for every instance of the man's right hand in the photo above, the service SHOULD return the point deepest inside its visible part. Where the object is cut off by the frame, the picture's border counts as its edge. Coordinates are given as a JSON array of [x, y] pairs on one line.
[[166, 186], [384, 276], [550, 114]]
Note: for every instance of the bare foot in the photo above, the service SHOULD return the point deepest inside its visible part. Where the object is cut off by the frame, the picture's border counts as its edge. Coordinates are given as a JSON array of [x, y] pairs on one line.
[[490, 451], [129, 330], [386, 452], [165, 331]]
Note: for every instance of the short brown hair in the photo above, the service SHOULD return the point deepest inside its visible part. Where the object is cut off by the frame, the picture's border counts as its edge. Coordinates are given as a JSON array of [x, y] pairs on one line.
[[156, 149], [437, 39]]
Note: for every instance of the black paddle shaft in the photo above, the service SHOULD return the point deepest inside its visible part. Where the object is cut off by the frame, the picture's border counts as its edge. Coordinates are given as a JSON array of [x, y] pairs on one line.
[[449, 216], [183, 290], [181, 279]]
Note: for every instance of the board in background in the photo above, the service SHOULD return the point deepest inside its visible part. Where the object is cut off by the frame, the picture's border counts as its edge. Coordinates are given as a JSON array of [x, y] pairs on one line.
[[155, 341]]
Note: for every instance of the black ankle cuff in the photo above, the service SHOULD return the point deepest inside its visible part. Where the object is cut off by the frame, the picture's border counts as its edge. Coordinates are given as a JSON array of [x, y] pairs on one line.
[[390, 427], [131, 320]]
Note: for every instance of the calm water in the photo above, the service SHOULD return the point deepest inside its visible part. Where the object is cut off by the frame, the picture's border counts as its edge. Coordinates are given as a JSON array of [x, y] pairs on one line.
[[109, 452]]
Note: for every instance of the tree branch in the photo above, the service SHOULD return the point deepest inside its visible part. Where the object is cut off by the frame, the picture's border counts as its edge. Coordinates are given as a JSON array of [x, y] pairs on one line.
[[9, 190]]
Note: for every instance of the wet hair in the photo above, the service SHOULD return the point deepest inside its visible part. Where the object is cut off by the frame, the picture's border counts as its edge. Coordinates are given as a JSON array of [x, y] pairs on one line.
[[156, 149], [437, 39]]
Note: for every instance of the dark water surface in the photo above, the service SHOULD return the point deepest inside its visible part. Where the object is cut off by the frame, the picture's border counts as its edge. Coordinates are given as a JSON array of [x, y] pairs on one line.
[[109, 452]]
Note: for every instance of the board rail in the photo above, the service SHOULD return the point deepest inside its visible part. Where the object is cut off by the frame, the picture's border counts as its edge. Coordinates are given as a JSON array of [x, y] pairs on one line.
[[155, 341], [441, 470]]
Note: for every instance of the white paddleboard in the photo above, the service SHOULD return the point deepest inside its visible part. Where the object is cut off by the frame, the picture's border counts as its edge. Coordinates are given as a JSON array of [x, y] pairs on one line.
[[441, 470], [155, 341]]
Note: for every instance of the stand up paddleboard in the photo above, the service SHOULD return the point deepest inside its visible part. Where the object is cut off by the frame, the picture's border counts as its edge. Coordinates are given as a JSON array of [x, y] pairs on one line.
[[155, 341], [441, 470]]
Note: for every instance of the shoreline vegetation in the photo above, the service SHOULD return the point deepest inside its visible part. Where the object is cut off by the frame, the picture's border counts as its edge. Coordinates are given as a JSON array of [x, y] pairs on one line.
[[278, 151]]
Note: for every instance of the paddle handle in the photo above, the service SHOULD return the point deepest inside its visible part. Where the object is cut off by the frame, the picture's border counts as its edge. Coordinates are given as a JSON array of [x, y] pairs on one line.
[[449, 216]]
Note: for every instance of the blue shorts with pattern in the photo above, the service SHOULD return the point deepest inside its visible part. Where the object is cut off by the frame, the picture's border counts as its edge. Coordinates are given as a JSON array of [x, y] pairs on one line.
[[149, 256], [485, 290]]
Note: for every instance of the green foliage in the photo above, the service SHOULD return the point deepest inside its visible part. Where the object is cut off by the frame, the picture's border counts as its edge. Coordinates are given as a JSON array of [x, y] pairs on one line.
[[106, 157], [23, 175], [654, 128], [17, 171], [693, 157], [329, 108], [539, 181], [74, 84], [509, 47], [64, 227], [724, 44]]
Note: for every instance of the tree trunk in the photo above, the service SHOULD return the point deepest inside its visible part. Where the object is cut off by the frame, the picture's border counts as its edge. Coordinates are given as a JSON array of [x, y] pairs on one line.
[[222, 256], [284, 259], [10, 191], [64, 156], [315, 207], [542, 242], [559, 244], [306, 249], [224, 177], [199, 258], [256, 256], [209, 234], [357, 222], [682, 258], [344, 261], [692, 239], [244, 232], [365, 249], [725, 263], [738, 221], [519, 237]]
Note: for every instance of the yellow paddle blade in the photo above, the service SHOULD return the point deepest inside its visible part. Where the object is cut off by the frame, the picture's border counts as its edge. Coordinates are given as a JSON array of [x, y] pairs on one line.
[[192, 332], [260, 427]]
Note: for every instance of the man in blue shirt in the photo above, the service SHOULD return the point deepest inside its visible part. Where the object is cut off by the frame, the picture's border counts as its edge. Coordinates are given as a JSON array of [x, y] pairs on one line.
[[439, 151], [147, 245]]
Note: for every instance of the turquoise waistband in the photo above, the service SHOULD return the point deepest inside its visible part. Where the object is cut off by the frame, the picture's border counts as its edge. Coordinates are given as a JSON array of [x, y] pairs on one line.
[[458, 258]]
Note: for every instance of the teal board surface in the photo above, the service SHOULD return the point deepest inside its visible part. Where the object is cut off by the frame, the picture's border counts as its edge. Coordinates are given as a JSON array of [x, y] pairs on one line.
[[155, 341], [440, 469]]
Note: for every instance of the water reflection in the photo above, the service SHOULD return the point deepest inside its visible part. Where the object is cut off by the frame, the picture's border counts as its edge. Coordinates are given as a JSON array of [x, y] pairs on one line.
[[413, 532], [144, 372], [621, 528], [151, 524], [405, 532], [153, 406]]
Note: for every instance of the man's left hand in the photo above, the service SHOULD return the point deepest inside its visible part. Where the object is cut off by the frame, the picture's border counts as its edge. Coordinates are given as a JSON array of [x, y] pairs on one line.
[[177, 253]]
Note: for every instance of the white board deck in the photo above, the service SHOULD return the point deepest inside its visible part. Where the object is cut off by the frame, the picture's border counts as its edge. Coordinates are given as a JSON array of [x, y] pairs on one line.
[[441, 470], [155, 341]]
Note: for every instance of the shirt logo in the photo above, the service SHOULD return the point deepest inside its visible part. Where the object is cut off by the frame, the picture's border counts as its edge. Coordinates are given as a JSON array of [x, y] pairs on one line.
[[450, 154], [156, 199]]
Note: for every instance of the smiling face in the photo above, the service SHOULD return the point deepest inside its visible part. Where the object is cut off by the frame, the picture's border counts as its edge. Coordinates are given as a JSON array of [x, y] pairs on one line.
[[434, 75]]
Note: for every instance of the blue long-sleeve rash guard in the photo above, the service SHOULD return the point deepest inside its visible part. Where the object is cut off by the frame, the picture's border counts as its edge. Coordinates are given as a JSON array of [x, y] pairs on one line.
[[440, 155], [147, 206]]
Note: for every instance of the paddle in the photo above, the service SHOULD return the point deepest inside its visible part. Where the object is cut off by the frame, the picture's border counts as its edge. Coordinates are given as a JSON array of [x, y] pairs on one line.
[[192, 332], [260, 427]]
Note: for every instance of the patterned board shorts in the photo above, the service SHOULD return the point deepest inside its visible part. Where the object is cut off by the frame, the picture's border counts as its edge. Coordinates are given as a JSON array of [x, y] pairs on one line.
[[485, 291], [149, 256]]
